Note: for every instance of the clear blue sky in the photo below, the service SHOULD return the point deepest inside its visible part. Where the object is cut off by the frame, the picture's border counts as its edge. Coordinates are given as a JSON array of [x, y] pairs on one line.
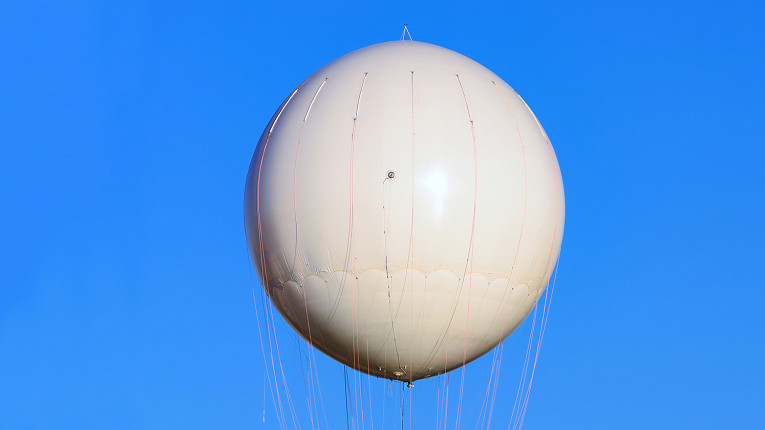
[[127, 128]]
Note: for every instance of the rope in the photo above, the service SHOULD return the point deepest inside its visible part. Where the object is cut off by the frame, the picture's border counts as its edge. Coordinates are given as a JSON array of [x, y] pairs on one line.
[[403, 387], [545, 318], [281, 369], [263, 351], [406, 32], [525, 368], [345, 390]]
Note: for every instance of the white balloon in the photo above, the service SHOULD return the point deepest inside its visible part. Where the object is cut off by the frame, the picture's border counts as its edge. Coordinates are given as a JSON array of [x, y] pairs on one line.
[[405, 210]]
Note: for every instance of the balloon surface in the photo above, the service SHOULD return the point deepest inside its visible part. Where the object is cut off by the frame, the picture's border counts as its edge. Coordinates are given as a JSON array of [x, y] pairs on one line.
[[404, 209]]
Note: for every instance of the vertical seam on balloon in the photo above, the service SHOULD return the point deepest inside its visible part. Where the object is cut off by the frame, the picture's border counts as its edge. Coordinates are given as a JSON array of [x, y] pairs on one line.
[[356, 359], [445, 337], [313, 100], [387, 273], [388, 281], [408, 268], [472, 244], [525, 197], [257, 191], [411, 249], [264, 269], [350, 218], [297, 258]]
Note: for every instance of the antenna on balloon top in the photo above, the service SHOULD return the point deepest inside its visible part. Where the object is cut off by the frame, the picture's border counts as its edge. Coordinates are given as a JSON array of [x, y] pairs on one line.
[[405, 32]]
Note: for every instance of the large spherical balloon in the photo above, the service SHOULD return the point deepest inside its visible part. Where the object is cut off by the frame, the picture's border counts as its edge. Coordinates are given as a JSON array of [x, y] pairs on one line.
[[404, 209]]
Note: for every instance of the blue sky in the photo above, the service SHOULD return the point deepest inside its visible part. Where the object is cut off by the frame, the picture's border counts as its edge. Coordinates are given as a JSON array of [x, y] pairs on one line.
[[127, 129]]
